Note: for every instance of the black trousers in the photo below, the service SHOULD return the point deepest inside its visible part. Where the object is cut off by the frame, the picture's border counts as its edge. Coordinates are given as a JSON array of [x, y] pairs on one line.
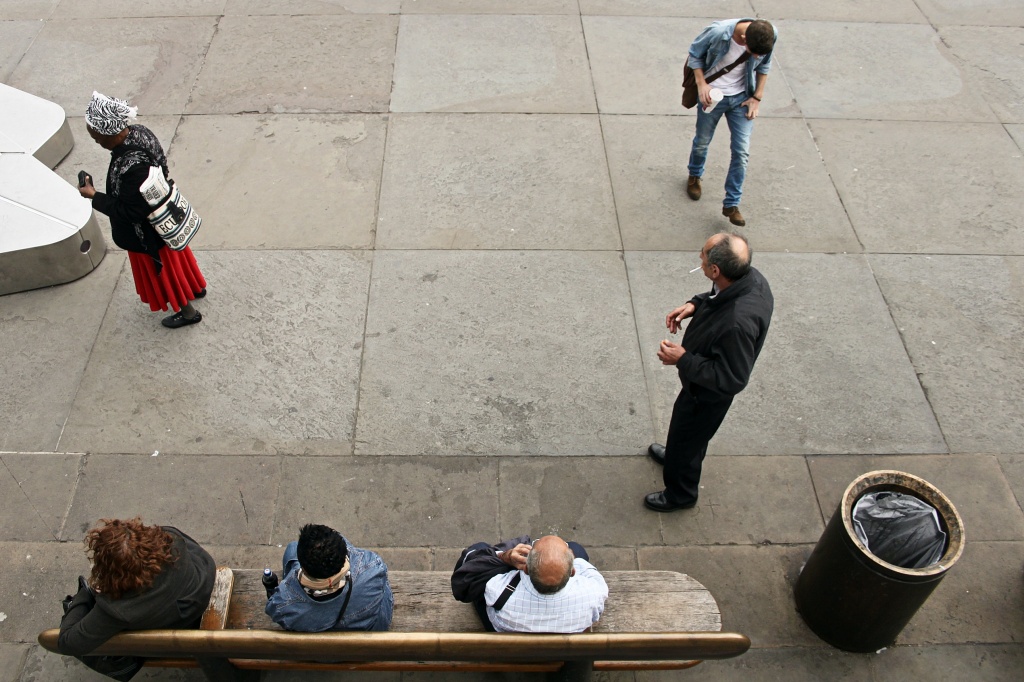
[[692, 427]]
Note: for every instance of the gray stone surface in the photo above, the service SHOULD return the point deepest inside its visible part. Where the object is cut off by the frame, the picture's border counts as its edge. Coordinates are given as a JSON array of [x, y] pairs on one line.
[[993, 58], [960, 318], [928, 85], [386, 501], [250, 7], [150, 62], [977, 12], [297, 64], [985, 663], [820, 329], [671, 8], [501, 333], [116, 9], [37, 494], [282, 181], [637, 64], [871, 11], [789, 201], [37, 576], [489, 7], [12, 656], [285, 346], [1013, 470], [499, 63], [27, 9], [793, 664], [46, 341], [1017, 133], [15, 39], [971, 193], [496, 181], [983, 498], [44, 666]]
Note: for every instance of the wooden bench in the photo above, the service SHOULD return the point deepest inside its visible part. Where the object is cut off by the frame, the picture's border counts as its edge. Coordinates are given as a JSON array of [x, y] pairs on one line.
[[653, 620]]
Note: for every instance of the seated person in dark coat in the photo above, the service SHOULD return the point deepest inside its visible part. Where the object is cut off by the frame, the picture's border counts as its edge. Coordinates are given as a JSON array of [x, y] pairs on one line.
[[330, 585]]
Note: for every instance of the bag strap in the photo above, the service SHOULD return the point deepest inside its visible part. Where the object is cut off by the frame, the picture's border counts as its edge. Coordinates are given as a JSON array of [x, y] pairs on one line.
[[507, 592], [348, 595], [743, 57]]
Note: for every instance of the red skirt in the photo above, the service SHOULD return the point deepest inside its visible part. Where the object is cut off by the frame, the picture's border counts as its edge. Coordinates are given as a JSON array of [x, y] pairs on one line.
[[178, 282]]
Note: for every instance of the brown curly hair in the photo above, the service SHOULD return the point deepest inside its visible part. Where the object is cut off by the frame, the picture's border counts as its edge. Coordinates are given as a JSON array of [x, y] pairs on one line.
[[126, 555]]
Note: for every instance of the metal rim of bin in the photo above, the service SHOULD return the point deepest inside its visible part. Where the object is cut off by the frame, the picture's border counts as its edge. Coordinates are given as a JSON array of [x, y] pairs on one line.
[[908, 484]]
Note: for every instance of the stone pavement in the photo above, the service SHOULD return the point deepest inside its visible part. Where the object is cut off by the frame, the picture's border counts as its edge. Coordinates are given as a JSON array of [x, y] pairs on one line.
[[441, 237]]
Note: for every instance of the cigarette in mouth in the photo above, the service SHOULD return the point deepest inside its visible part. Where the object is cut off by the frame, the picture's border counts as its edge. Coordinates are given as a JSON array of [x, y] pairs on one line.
[[695, 269]]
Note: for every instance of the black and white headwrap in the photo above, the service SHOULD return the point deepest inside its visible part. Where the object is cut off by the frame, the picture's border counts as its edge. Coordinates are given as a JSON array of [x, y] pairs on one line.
[[109, 115]]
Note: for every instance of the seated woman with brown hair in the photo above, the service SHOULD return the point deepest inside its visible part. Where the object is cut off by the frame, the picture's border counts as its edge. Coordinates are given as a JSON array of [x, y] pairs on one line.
[[143, 577]]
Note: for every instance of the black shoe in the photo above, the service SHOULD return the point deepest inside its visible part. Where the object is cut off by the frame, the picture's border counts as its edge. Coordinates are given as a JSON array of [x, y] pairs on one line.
[[179, 320], [201, 294], [659, 503], [656, 451]]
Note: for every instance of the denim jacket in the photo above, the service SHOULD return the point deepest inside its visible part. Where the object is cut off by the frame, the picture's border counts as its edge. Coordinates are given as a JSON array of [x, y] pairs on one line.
[[369, 607], [714, 41]]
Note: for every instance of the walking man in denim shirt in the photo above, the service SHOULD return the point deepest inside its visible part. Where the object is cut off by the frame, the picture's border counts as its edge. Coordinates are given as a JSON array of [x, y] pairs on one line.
[[744, 48], [330, 585]]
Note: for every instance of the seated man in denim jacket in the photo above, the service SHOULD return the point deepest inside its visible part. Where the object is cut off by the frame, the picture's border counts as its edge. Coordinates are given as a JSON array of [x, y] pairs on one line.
[[330, 585]]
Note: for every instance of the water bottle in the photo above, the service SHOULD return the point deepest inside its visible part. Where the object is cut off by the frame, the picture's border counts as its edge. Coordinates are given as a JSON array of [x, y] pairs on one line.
[[269, 582]]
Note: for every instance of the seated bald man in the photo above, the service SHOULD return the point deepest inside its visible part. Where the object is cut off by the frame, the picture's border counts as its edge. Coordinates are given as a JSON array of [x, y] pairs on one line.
[[563, 592]]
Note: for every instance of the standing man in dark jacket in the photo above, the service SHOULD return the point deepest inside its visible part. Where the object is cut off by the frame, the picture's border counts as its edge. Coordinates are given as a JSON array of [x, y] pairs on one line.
[[720, 346]]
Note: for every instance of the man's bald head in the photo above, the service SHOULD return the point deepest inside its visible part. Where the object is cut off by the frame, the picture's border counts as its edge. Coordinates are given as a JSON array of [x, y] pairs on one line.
[[731, 253], [549, 564]]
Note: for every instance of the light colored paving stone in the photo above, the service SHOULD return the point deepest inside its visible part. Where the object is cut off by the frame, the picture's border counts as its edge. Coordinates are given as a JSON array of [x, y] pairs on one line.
[[38, 575], [319, 7], [993, 58], [15, 39], [46, 340], [298, 64], [594, 501], [668, 8], [12, 657], [927, 86], [1013, 470], [501, 353], [984, 663], [637, 64], [216, 500], [792, 664], [857, 402], [500, 63], [979, 600], [27, 9], [789, 201], [969, 200], [1017, 133], [490, 7], [980, 12], [973, 483], [37, 494], [873, 11], [752, 585], [44, 666], [152, 63], [612, 558], [961, 320], [272, 368], [459, 181], [281, 181], [736, 494], [385, 501], [119, 9], [406, 558]]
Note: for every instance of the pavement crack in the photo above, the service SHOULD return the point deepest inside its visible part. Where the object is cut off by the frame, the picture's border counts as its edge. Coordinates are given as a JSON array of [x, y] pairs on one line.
[[244, 510], [29, 500]]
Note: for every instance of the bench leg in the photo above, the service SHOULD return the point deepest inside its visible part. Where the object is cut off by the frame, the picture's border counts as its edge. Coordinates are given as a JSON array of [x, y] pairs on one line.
[[573, 671], [220, 670]]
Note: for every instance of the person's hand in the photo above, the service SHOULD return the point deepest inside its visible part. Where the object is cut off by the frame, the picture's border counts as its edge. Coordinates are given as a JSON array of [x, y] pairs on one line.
[[673, 319], [752, 106], [669, 353], [87, 190], [704, 94], [516, 557]]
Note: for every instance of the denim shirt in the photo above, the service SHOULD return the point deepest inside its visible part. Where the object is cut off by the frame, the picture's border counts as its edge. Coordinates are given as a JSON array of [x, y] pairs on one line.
[[369, 607], [715, 40]]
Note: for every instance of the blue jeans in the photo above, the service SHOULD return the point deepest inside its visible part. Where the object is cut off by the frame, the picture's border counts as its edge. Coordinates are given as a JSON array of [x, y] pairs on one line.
[[739, 135]]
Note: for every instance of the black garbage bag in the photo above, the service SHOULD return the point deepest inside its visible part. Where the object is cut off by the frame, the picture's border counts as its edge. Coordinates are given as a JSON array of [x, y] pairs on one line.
[[900, 529]]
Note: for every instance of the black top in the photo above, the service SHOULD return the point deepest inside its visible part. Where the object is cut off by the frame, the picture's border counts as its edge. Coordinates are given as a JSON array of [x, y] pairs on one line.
[[724, 338], [177, 598]]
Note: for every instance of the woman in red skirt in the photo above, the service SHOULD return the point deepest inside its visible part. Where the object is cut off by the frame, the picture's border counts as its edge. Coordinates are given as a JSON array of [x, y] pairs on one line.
[[163, 277]]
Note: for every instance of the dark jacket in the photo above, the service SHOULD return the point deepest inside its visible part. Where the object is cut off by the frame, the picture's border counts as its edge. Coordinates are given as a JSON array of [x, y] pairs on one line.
[[177, 598], [724, 338]]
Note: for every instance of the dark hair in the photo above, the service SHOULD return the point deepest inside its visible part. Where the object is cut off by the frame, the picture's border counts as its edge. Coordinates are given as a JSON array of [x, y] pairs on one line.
[[760, 37], [127, 555], [723, 254], [322, 551]]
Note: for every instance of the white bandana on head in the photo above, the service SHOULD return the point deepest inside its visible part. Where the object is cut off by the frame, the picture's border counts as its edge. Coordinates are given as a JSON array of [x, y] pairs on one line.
[[109, 115]]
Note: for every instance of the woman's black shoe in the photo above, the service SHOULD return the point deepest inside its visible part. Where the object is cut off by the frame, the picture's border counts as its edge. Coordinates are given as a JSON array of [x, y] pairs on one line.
[[179, 320]]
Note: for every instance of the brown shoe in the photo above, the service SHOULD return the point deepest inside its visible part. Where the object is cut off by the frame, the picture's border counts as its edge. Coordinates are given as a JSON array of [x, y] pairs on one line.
[[693, 187], [734, 215]]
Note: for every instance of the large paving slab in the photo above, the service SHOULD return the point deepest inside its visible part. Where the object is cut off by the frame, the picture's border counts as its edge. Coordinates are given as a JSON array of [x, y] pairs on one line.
[[225, 500], [319, 7], [273, 367], [44, 666], [921, 81], [297, 64], [282, 181], [489, 352], [37, 492], [38, 575], [490, 7], [961, 320], [976, 662], [499, 63], [980, 12], [637, 64], [873, 11], [1013, 470], [12, 657], [384, 501], [152, 63], [792, 664], [118, 9], [667, 8], [973, 483], [969, 200], [832, 377], [15, 38], [993, 58], [789, 201], [46, 341], [496, 181], [27, 9]]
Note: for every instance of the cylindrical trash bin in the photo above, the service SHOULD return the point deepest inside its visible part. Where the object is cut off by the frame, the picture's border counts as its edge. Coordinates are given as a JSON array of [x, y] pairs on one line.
[[852, 599]]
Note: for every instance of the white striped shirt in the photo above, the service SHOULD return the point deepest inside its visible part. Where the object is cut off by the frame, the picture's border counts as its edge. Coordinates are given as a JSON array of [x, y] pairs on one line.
[[573, 608]]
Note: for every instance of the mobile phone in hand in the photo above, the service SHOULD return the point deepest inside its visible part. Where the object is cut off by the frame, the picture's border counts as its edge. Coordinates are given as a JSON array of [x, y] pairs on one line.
[[84, 179]]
